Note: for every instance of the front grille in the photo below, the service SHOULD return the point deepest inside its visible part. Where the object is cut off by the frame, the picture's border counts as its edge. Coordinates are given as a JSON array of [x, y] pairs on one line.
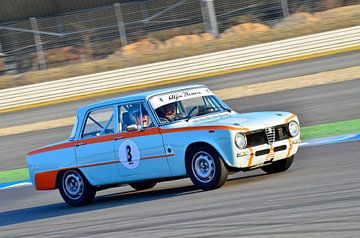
[[270, 134], [259, 137], [256, 138]]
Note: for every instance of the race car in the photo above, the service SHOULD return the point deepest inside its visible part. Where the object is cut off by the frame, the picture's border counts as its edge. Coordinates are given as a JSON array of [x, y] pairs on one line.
[[161, 135]]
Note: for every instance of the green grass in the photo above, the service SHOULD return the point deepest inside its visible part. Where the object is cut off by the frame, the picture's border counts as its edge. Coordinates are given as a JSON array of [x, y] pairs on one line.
[[14, 175], [330, 129], [307, 132]]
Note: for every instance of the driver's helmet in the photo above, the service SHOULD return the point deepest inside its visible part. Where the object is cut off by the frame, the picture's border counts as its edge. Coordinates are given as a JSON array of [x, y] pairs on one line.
[[169, 111], [145, 117]]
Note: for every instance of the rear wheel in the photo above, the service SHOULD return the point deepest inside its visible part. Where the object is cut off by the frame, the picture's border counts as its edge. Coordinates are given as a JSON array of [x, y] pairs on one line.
[[143, 185], [278, 166], [206, 168], [75, 189]]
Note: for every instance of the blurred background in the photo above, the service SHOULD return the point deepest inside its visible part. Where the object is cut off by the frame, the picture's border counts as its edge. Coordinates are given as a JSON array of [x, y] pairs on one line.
[[42, 40]]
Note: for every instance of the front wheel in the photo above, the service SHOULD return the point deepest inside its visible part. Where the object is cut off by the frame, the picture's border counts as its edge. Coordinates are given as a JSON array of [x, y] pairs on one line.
[[75, 189], [278, 166], [206, 168], [143, 185]]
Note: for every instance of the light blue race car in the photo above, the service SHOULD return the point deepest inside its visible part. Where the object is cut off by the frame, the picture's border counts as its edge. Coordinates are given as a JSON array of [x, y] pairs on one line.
[[162, 135]]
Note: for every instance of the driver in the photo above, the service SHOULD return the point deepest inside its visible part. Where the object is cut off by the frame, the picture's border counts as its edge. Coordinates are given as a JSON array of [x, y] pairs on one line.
[[146, 121], [169, 112]]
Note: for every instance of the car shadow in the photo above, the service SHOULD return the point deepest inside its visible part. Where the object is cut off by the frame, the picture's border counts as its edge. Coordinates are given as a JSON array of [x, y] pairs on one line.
[[100, 202], [106, 201]]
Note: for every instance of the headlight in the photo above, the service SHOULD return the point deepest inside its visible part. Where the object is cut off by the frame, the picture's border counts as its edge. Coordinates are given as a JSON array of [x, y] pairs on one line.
[[240, 140], [294, 128]]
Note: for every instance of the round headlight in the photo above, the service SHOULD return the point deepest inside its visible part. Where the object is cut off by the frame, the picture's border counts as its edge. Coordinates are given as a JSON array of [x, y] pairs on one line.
[[294, 128], [240, 140]]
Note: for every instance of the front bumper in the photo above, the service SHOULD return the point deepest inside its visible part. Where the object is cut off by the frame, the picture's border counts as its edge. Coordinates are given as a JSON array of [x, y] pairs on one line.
[[260, 155]]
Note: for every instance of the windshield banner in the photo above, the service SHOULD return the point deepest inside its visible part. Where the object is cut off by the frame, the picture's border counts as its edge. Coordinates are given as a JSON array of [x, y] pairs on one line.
[[163, 99]]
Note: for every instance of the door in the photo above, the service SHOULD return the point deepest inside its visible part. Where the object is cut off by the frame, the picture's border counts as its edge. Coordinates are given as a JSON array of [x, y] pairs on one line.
[[95, 150], [139, 144]]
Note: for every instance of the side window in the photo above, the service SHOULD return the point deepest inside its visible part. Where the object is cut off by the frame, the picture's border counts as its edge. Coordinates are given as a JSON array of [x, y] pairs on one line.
[[99, 122], [133, 116]]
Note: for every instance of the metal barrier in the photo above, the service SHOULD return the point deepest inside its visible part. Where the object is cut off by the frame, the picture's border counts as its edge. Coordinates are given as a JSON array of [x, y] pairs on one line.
[[174, 69], [51, 34]]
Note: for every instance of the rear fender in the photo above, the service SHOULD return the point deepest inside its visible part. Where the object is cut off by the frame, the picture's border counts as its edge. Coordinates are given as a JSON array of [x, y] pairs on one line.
[[44, 167]]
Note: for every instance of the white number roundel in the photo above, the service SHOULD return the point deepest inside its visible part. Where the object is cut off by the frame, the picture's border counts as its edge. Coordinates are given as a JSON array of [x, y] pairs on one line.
[[129, 154]]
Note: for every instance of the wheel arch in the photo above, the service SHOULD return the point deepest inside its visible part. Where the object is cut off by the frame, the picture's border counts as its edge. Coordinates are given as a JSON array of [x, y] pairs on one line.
[[203, 143], [58, 178], [61, 173]]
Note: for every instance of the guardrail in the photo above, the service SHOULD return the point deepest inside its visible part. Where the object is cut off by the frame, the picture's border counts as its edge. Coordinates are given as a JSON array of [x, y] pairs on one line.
[[194, 66]]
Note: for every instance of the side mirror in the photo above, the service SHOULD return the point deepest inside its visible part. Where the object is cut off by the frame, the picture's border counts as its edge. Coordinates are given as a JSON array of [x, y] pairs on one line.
[[133, 127]]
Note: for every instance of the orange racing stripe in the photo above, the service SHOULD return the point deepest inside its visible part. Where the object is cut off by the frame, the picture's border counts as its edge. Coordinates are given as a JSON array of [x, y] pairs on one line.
[[251, 156], [53, 147], [46, 180], [271, 153], [290, 147], [156, 156], [289, 118], [125, 135], [201, 128], [98, 139]]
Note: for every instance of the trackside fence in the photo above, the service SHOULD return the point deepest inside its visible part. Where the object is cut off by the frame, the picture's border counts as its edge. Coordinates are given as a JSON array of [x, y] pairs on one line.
[[194, 66]]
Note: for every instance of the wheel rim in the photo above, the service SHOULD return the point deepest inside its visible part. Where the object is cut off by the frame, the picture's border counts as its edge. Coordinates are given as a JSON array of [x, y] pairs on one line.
[[203, 167], [73, 184]]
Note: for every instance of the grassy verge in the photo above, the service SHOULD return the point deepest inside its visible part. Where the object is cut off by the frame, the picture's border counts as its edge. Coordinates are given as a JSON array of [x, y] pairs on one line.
[[14, 175], [307, 132], [330, 129]]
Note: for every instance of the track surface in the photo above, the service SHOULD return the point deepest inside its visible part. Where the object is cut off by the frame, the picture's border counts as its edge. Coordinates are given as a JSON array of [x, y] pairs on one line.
[[314, 105], [319, 196]]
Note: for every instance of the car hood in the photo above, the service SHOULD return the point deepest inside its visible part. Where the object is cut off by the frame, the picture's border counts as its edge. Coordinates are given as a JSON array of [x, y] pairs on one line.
[[251, 120]]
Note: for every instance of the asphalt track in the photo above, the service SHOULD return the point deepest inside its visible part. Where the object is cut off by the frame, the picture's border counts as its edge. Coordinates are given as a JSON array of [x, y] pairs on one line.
[[320, 104], [319, 196]]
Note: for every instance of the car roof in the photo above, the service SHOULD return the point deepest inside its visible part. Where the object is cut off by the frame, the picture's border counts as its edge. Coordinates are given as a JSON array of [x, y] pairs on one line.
[[134, 97]]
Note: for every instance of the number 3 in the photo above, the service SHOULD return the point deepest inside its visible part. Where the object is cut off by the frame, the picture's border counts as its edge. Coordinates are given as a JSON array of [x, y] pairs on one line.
[[128, 151], [129, 154]]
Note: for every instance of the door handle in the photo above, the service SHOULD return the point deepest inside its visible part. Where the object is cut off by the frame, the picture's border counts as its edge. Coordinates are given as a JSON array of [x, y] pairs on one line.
[[79, 144], [118, 137]]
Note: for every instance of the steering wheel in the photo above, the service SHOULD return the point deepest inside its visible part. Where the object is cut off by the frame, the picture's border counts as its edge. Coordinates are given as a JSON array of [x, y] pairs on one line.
[[191, 111]]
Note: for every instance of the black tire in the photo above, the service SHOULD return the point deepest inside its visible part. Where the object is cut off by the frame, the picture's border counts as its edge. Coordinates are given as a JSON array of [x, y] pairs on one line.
[[278, 166], [206, 168], [75, 189], [143, 185]]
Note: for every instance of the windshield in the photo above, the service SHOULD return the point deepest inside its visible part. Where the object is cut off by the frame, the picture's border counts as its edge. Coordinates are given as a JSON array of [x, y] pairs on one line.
[[185, 104]]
